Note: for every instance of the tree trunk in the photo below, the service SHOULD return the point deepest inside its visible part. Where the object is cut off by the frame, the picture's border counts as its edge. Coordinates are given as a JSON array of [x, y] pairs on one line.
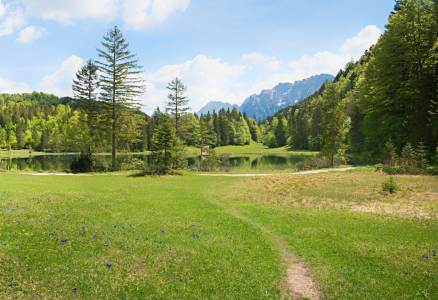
[[114, 146]]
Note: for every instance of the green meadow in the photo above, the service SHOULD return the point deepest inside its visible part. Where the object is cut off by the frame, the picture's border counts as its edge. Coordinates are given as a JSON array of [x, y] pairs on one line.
[[194, 237]]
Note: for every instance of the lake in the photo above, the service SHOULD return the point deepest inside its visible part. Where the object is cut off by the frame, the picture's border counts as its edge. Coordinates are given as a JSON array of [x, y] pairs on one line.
[[62, 162]]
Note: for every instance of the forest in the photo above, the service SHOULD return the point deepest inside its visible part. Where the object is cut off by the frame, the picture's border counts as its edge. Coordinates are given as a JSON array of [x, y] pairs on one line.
[[390, 93]]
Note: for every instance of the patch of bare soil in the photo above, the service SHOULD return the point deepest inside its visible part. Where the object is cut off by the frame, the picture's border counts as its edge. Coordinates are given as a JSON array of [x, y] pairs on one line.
[[298, 283]]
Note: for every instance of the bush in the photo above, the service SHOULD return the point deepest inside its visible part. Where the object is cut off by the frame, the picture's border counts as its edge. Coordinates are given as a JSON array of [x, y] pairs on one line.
[[308, 164], [403, 170], [432, 170], [365, 158], [379, 167], [314, 163], [390, 186], [272, 142], [82, 164]]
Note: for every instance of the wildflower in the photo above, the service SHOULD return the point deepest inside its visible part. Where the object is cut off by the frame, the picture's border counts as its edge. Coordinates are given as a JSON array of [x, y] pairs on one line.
[[108, 265]]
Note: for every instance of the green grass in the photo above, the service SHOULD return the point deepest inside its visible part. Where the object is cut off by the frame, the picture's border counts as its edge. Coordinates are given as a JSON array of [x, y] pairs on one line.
[[170, 242], [358, 241]]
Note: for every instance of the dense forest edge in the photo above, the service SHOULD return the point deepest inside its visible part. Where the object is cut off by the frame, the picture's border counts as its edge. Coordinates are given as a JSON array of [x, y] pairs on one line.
[[388, 97]]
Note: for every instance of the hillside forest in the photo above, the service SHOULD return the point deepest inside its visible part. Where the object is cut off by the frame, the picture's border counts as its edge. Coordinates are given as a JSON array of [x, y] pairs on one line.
[[390, 93]]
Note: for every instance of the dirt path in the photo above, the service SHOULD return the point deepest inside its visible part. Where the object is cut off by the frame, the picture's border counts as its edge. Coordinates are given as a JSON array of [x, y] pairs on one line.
[[298, 173], [298, 283]]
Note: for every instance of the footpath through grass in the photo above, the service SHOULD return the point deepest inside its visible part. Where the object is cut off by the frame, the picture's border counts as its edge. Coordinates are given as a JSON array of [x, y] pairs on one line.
[[104, 237], [359, 243]]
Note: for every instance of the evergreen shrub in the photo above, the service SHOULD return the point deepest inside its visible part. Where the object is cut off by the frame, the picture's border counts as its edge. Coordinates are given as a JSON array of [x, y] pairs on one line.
[[403, 170], [390, 186], [82, 164]]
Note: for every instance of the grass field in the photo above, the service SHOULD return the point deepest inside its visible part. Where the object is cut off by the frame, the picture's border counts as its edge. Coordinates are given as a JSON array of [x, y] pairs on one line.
[[104, 237]]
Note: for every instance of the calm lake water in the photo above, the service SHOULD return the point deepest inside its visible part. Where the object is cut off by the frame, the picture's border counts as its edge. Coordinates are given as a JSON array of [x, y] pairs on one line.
[[62, 162]]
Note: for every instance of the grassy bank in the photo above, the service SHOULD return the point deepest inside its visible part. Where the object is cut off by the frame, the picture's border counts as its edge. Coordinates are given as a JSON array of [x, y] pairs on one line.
[[254, 148], [358, 241], [104, 237]]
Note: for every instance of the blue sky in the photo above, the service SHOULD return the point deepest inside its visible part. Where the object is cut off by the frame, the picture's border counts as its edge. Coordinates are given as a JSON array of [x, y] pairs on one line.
[[222, 50]]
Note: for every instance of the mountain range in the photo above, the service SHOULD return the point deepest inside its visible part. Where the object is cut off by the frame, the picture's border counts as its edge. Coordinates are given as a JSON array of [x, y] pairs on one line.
[[268, 102]]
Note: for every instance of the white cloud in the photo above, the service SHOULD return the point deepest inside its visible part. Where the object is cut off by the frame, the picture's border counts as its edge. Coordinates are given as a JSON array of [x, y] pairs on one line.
[[2, 9], [328, 62], [30, 34], [273, 65], [206, 80], [357, 45], [256, 58], [13, 21], [136, 16], [60, 82], [11, 87], [67, 11], [322, 62]]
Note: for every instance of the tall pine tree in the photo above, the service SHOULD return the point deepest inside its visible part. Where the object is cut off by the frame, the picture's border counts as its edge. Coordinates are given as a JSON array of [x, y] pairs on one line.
[[120, 82]]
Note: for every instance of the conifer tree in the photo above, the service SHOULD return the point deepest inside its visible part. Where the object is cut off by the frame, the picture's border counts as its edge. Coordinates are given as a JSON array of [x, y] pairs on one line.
[[390, 152], [333, 134], [436, 156], [9, 131], [120, 83], [280, 136], [203, 138], [86, 98], [408, 155], [2, 136], [176, 105], [35, 136], [163, 146], [224, 129], [421, 156]]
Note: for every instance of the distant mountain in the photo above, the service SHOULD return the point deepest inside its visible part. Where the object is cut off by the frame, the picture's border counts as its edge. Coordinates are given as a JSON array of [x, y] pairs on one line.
[[216, 106], [268, 102]]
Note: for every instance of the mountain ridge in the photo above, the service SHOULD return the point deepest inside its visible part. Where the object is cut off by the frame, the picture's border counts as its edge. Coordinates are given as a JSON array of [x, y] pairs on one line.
[[269, 101]]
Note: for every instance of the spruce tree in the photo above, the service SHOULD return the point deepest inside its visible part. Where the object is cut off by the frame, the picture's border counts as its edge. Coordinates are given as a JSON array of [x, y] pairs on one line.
[[203, 137], [8, 134], [224, 129], [35, 137], [421, 156], [436, 156], [163, 146], [390, 152], [120, 83], [280, 132], [333, 134], [176, 105], [86, 97], [408, 155]]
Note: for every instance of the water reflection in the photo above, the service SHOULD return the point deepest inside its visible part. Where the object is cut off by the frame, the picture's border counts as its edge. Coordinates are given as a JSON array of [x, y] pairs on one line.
[[62, 162]]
